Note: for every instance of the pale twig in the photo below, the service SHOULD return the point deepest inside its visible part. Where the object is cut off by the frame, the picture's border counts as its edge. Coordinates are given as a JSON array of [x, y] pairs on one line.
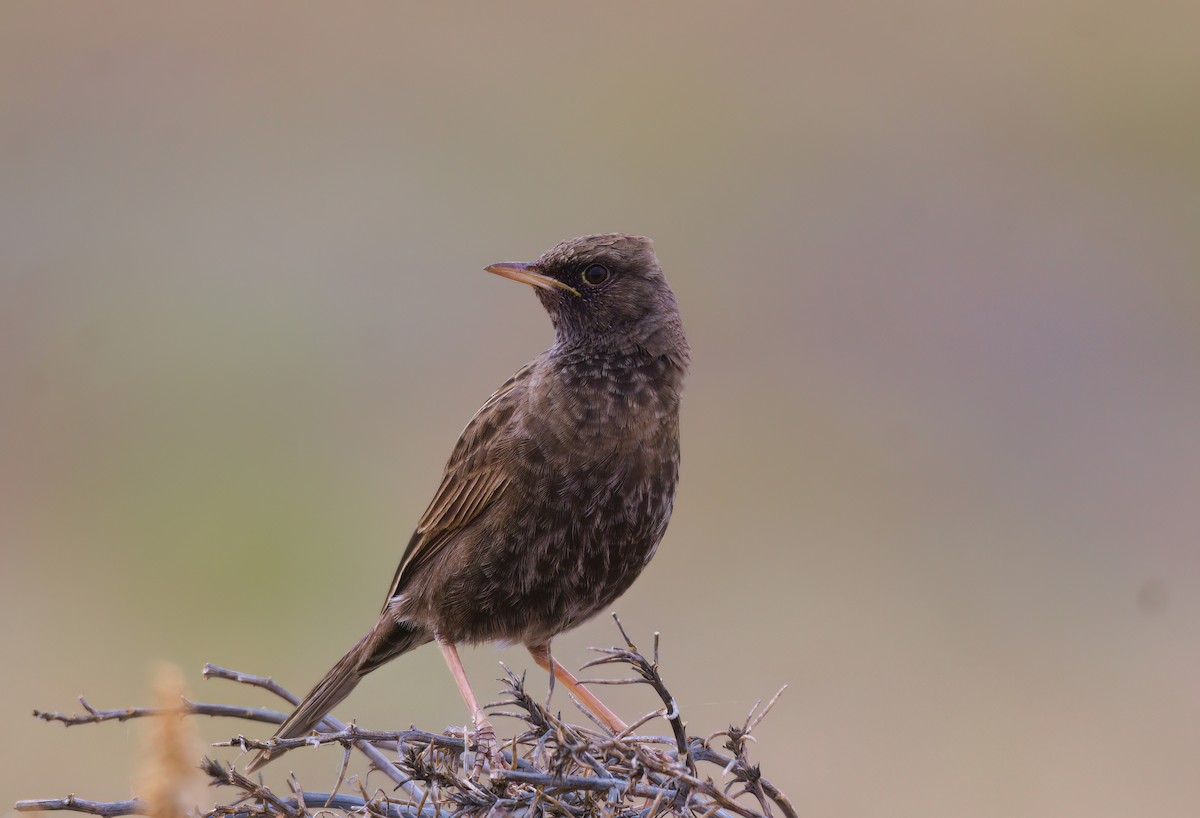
[[94, 716], [649, 672], [349, 735], [134, 806], [298, 795], [268, 683], [341, 772], [703, 753], [227, 775], [382, 762]]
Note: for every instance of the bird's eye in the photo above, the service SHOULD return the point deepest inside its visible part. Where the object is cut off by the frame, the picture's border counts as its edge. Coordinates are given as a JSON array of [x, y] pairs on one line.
[[595, 274]]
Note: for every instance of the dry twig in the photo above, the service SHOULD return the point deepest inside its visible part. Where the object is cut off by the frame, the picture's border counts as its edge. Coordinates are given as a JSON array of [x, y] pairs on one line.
[[552, 768]]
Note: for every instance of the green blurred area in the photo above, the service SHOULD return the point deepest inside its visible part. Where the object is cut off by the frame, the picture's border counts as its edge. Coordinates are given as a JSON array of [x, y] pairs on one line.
[[939, 264]]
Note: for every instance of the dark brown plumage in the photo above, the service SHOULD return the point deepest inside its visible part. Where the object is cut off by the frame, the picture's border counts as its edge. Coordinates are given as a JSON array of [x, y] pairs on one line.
[[558, 491]]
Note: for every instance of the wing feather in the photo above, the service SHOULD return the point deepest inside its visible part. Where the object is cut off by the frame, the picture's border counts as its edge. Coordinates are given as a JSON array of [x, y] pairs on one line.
[[472, 480]]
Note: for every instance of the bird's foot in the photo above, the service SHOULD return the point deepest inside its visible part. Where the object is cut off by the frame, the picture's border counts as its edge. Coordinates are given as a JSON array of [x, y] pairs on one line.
[[486, 746]]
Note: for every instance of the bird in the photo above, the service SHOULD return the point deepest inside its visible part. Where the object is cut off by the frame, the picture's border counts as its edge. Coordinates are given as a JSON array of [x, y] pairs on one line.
[[557, 493]]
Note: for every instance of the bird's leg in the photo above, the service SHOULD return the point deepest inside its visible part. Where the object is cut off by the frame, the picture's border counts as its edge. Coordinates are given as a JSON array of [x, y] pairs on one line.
[[541, 655], [485, 734]]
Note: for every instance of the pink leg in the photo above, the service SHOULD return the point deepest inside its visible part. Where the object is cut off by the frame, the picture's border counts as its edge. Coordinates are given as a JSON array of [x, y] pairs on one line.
[[541, 655], [485, 735]]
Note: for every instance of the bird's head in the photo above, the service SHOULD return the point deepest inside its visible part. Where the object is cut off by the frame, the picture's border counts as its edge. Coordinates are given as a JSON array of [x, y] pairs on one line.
[[604, 290]]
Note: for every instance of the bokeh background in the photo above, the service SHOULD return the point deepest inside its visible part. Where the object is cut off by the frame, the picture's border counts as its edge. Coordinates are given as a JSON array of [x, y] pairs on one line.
[[939, 263]]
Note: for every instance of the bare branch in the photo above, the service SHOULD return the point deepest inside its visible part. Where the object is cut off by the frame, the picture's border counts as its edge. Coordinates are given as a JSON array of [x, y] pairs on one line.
[[553, 768], [348, 736], [94, 716], [329, 723], [210, 671], [133, 806]]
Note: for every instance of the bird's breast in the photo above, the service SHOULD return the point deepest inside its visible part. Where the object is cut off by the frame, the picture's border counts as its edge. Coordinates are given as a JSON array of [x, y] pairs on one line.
[[591, 407]]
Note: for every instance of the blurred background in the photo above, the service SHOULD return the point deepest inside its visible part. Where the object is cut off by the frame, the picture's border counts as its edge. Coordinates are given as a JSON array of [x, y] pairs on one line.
[[939, 264]]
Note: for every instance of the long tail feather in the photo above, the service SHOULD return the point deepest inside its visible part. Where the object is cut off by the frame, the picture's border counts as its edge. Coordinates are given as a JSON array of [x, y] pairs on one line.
[[368, 653]]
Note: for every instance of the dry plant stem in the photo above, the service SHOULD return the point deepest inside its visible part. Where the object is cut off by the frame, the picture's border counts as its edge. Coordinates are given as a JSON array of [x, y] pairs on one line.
[[765, 787], [350, 736], [295, 807], [562, 770], [94, 716], [581, 782], [319, 800], [211, 671], [134, 806], [230, 776], [381, 761], [693, 791], [341, 772], [298, 796], [648, 671], [649, 762], [739, 765], [540, 720]]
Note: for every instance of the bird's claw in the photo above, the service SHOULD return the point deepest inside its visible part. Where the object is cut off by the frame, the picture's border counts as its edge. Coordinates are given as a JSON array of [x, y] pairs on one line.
[[486, 746]]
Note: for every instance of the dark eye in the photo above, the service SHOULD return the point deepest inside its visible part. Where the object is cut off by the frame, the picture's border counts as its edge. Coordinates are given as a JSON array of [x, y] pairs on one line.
[[595, 274]]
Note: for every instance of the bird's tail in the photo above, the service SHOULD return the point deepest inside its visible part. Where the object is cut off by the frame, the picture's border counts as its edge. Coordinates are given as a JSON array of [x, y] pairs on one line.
[[384, 642]]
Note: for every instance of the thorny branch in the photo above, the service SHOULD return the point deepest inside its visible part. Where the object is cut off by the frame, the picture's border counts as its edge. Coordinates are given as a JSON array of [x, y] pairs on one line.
[[552, 768], [94, 716], [647, 674], [378, 759]]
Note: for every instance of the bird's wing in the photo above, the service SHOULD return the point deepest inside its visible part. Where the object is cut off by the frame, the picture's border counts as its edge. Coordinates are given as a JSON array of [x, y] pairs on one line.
[[472, 480]]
